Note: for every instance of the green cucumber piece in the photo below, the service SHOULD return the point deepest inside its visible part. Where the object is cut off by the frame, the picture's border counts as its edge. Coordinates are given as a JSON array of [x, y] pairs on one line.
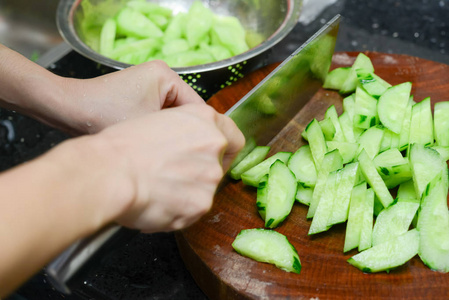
[[386, 256], [347, 127], [174, 46], [316, 141], [175, 27], [131, 22], [425, 163], [281, 193], [361, 62], [442, 150], [365, 110], [332, 114], [304, 194], [366, 227], [256, 156], [346, 179], [324, 209], [421, 124], [391, 106], [198, 23], [349, 105], [406, 192], [404, 136], [374, 179], [433, 225], [393, 167], [441, 123], [328, 129], [253, 176], [132, 46], [335, 78], [189, 58], [332, 161], [268, 246], [370, 141], [148, 8], [355, 217], [348, 151], [262, 192], [229, 32], [302, 165], [371, 83], [107, 37], [394, 221]]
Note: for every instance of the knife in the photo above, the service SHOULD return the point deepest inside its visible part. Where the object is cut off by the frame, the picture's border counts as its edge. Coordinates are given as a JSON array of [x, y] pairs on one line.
[[260, 115]]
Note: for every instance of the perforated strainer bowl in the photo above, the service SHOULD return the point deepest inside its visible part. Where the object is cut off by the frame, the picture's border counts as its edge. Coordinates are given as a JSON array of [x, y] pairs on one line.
[[270, 20]]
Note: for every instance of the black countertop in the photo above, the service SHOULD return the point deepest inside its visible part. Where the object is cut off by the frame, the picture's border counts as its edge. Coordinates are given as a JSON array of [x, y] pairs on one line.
[[149, 267]]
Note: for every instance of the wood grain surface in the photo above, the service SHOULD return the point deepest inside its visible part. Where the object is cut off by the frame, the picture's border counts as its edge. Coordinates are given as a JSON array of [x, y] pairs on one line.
[[223, 274]]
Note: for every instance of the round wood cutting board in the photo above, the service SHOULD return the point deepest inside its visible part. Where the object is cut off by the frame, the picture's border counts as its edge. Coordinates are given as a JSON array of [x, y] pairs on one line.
[[223, 274]]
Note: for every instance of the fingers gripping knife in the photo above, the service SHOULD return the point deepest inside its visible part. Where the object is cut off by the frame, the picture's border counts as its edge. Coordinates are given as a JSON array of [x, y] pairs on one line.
[[260, 115]]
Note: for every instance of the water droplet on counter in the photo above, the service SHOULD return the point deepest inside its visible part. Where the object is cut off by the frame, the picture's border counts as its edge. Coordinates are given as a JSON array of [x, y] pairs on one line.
[[416, 35], [395, 34], [89, 124], [441, 3], [354, 43], [375, 25]]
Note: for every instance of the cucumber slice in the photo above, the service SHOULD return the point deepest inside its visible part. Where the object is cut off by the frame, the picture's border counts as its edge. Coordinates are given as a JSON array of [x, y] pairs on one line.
[[406, 192], [365, 110], [361, 62], [370, 141], [262, 192], [304, 194], [135, 46], [347, 127], [324, 209], [348, 151], [346, 179], [229, 32], [332, 114], [404, 136], [148, 8], [433, 225], [393, 167], [316, 141], [394, 221], [349, 105], [174, 46], [442, 150], [302, 165], [335, 79], [256, 156], [374, 179], [254, 175], [131, 22], [268, 246], [281, 193], [441, 123], [355, 217], [386, 256], [421, 125], [425, 163], [332, 161], [107, 37], [391, 106], [328, 128], [366, 227], [199, 21], [371, 83], [175, 28]]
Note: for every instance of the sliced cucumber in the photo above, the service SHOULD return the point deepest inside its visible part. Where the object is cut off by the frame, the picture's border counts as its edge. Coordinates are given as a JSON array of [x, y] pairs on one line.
[[355, 217], [348, 151], [304, 194], [441, 123], [328, 129], [324, 209], [421, 125], [426, 163], [252, 176], [256, 156], [388, 255], [107, 37], [370, 141], [346, 178], [366, 227], [393, 167], [302, 165], [317, 142], [404, 136], [348, 105], [373, 84], [391, 106], [332, 114], [281, 193], [433, 225], [262, 191], [406, 192], [361, 62], [335, 79], [268, 246], [347, 127], [443, 151], [332, 161], [365, 110], [394, 221], [374, 179], [131, 22]]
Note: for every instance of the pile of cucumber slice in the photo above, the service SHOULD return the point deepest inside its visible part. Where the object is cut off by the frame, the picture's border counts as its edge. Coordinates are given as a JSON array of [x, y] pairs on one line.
[[143, 31], [382, 144]]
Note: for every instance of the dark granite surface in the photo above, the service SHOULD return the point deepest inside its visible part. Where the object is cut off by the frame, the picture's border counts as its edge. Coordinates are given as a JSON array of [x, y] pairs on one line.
[[149, 266]]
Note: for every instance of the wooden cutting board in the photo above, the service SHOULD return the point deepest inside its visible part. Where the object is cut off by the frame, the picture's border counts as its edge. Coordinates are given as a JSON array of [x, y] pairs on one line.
[[223, 274]]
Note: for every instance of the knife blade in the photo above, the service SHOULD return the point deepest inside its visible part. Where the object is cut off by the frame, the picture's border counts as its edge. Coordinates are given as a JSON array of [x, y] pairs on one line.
[[260, 115]]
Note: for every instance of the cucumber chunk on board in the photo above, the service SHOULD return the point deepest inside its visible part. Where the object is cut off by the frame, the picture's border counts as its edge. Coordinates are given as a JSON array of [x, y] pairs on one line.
[[254, 175], [268, 246], [256, 156]]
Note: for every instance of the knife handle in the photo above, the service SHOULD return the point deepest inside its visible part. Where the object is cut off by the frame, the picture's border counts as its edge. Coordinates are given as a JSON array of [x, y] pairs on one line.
[[72, 265]]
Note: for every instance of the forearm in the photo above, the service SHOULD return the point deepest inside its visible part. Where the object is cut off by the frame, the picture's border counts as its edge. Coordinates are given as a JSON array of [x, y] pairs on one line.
[[52, 201]]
